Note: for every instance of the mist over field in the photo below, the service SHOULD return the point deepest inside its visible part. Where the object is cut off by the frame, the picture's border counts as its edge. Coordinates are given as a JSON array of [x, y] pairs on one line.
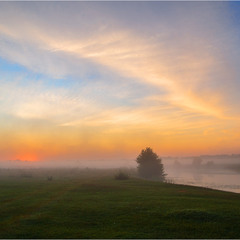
[[194, 162], [212, 171]]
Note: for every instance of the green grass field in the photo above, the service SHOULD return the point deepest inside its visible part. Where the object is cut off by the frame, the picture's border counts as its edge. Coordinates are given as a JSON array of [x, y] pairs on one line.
[[92, 204]]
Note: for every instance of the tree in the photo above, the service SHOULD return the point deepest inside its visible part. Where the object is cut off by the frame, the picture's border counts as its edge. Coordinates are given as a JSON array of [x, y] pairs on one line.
[[150, 165], [196, 162]]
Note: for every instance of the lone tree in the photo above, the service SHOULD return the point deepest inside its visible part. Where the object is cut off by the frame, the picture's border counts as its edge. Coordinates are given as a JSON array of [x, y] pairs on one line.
[[150, 165]]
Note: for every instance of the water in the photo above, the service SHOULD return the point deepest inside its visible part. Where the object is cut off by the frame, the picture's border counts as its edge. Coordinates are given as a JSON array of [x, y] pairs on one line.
[[216, 179]]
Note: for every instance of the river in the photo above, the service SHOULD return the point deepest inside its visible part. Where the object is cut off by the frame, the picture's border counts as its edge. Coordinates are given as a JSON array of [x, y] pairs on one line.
[[219, 179]]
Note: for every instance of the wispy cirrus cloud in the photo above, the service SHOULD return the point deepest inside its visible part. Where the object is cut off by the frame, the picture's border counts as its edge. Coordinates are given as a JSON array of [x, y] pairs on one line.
[[183, 67]]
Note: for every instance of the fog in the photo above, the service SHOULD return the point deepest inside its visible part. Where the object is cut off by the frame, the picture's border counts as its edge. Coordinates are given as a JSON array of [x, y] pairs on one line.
[[212, 171], [99, 164]]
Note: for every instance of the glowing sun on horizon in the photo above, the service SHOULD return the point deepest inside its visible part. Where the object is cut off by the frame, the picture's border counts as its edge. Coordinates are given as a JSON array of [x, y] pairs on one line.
[[27, 157]]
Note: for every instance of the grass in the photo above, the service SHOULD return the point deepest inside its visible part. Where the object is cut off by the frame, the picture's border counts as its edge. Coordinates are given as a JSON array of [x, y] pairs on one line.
[[92, 204]]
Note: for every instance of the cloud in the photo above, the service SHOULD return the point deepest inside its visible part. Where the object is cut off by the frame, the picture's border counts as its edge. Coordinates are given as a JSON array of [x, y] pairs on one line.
[[182, 67], [158, 66]]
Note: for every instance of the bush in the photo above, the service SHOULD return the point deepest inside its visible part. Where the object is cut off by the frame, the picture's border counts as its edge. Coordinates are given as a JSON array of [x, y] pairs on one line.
[[122, 176], [49, 178]]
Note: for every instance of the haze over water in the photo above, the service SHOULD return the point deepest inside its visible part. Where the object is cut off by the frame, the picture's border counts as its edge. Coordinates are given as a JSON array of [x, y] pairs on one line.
[[225, 180]]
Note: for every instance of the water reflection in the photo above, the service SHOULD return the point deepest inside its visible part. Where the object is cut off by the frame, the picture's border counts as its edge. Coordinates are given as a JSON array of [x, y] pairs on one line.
[[221, 179]]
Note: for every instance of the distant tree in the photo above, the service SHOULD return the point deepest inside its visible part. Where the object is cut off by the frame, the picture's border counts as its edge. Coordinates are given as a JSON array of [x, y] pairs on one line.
[[150, 165], [209, 164], [196, 162]]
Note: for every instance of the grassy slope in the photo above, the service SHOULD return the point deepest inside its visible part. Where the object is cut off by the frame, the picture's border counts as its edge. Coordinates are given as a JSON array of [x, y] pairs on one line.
[[102, 207]]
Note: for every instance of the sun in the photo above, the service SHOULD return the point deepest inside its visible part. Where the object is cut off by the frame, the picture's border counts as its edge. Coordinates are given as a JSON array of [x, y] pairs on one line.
[[29, 157]]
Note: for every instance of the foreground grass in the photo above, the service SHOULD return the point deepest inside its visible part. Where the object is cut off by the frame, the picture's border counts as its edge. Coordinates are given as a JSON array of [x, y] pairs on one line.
[[86, 206]]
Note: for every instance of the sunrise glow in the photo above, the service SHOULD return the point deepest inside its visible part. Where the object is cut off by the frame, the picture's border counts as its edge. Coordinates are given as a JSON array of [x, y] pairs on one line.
[[102, 80], [27, 157]]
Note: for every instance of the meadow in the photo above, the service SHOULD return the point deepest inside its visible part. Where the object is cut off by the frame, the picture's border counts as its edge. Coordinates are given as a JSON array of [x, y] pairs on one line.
[[88, 203]]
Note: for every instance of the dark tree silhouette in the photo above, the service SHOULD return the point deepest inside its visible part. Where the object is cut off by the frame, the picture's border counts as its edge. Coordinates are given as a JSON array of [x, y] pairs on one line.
[[150, 165]]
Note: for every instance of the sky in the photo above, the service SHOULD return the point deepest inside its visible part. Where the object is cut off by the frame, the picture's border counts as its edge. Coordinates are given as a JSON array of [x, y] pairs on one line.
[[84, 81]]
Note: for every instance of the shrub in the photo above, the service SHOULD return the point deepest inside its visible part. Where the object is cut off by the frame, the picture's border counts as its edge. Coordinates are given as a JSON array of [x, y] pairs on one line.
[[121, 176], [49, 178]]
